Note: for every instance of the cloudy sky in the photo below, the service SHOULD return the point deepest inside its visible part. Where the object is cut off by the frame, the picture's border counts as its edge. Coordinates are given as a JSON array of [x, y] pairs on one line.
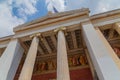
[[16, 12]]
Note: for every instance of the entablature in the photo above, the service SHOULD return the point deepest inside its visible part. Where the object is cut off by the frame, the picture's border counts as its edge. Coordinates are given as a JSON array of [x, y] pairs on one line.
[[4, 41], [52, 20], [105, 18]]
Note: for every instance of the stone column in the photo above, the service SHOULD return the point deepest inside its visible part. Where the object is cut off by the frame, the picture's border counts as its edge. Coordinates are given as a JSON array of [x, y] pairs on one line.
[[27, 70], [108, 46], [10, 60], [62, 61], [104, 65]]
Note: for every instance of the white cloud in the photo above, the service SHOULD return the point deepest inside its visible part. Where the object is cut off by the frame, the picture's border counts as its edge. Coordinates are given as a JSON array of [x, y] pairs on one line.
[[26, 7], [8, 20], [95, 6], [105, 5], [74, 4]]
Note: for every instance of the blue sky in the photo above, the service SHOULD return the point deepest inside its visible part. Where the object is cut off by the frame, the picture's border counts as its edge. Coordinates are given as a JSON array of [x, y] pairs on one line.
[[16, 12]]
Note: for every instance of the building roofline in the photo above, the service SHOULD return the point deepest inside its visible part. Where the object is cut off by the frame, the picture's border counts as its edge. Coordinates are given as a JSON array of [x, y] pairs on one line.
[[51, 16], [105, 14], [92, 17], [6, 38]]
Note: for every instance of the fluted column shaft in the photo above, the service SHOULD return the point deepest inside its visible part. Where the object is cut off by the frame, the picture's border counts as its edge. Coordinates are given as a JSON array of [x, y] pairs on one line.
[[104, 64], [27, 70], [108, 46], [62, 61], [10, 59]]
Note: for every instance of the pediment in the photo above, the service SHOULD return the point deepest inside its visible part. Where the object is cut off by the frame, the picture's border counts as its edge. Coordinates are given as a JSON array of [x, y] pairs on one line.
[[52, 18]]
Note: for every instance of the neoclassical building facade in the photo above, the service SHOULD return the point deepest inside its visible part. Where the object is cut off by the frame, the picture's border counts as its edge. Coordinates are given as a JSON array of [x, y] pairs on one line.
[[71, 45]]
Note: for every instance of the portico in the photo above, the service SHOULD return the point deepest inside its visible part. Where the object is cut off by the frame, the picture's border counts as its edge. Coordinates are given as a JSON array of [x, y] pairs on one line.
[[63, 46]]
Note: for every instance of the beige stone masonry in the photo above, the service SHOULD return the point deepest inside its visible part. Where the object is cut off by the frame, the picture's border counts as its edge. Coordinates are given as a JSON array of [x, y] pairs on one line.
[[27, 70]]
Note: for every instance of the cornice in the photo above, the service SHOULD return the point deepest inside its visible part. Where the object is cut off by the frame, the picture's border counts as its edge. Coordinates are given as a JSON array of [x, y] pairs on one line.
[[6, 38], [105, 14], [51, 18]]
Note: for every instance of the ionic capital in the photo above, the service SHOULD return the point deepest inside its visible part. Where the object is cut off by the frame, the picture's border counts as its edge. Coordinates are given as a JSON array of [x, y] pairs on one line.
[[60, 29], [35, 35]]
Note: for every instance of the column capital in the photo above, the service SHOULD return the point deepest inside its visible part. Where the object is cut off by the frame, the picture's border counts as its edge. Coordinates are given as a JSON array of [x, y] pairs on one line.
[[60, 29], [118, 23], [35, 35], [117, 27]]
